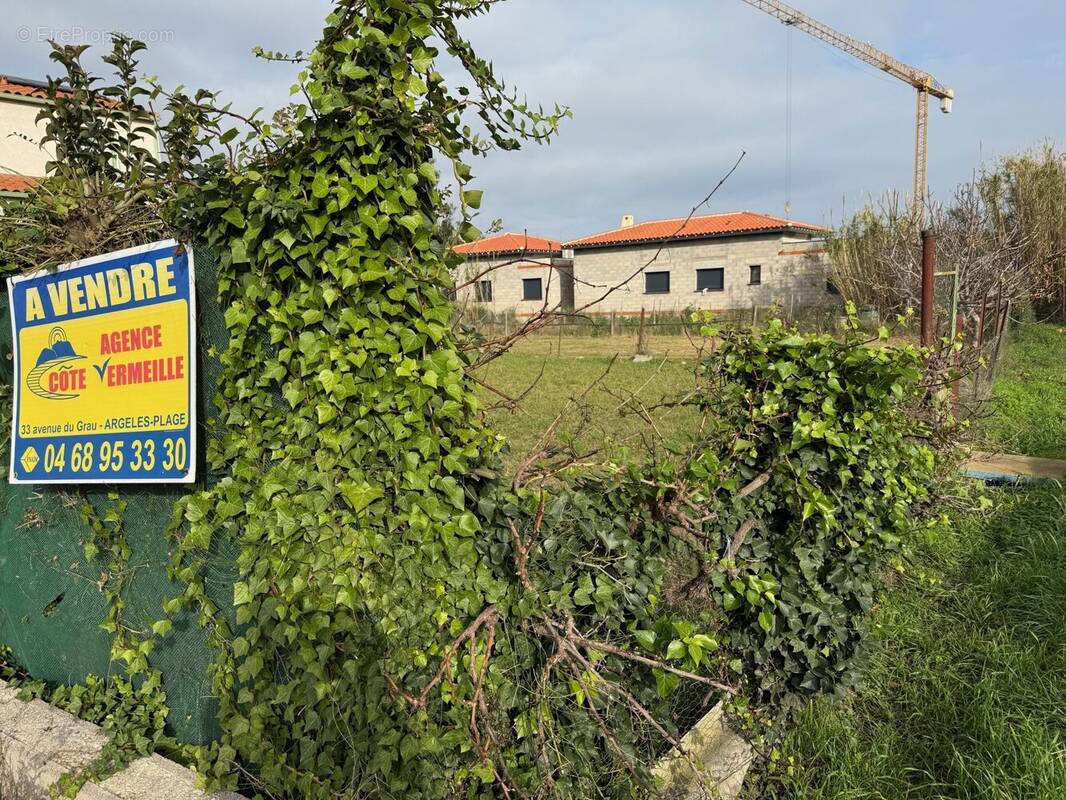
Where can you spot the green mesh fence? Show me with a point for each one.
(51, 602)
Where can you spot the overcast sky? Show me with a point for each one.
(665, 94)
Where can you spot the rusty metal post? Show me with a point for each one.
(928, 315)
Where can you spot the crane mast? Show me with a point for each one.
(923, 82)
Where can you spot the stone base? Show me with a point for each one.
(39, 744)
(718, 760)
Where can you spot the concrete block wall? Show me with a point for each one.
(506, 280)
(793, 274)
(39, 744)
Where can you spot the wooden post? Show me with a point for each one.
(642, 336)
(979, 344)
(928, 312)
(1001, 332)
(958, 362)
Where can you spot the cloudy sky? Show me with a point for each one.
(665, 94)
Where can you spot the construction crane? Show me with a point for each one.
(925, 83)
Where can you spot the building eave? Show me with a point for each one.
(510, 254)
(627, 243)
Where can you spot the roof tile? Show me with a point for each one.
(735, 222)
(510, 243)
(10, 86)
(16, 183)
(24, 88)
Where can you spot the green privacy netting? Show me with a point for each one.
(51, 602)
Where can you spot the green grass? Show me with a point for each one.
(965, 695)
(1029, 400)
(608, 417)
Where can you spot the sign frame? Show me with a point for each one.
(191, 368)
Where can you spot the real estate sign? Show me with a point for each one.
(105, 369)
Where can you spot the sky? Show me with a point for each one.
(665, 95)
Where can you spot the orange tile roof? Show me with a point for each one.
(38, 89)
(729, 224)
(510, 243)
(22, 87)
(16, 183)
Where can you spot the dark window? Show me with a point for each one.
(754, 275)
(710, 280)
(531, 289)
(483, 291)
(656, 283)
(831, 288)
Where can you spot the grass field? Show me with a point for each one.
(1029, 401)
(608, 416)
(965, 695)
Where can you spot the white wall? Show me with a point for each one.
(21, 152)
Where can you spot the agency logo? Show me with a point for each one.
(56, 376)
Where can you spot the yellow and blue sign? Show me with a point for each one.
(105, 369)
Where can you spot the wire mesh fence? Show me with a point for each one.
(493, 325)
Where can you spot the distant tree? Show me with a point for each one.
(1027, 196)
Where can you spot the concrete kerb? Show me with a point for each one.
(721, 758)
(39, 744)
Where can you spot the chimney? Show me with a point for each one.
(627, 221)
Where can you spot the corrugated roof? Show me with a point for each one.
(728, 224)
(16, 183)
(510, 243)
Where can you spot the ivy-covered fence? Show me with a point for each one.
(406, 620)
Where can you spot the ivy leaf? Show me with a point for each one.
(675, 650)
(646, 639)
(359, 496)
(238, 251)
(349, 69)
(234, 217)
(328, 379)
(421, 60)
(316, 224)
(472, 197)
(320, 185)
(665, 682)
(766, 620)
(366, 183)
(162, 627)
